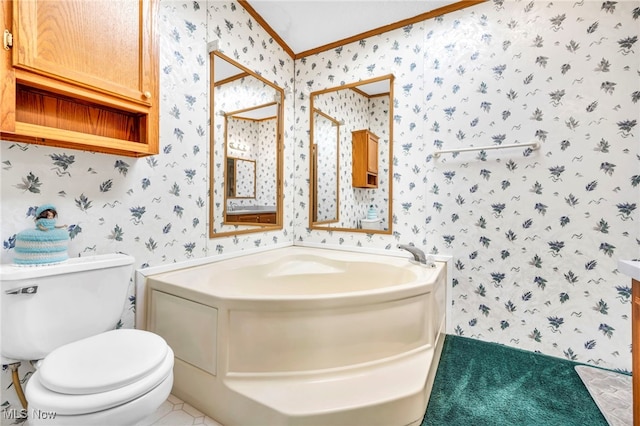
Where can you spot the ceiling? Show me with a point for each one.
(305, 25)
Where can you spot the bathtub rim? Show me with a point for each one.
(194, 283)
(140, 275)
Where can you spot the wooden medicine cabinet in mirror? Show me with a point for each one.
(351, 157)
(245, 182)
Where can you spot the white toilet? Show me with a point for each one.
(88, 374)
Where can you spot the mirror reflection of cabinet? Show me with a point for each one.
(364, 159)
(266, 217)
(366, 105)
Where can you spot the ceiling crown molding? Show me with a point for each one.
(376, 31)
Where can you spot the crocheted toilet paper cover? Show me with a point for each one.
(39, 246)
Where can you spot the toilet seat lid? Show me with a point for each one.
(103, 362)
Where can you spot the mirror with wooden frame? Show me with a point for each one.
(241, 178)
(245, 182)
(351, 157)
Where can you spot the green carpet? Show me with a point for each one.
(480, 383)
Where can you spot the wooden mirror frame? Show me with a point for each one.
(231, 187)
(237, 228)
(312, 110)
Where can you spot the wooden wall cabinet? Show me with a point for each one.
(364, 159)
(81, 74)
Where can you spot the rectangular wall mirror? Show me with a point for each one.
(241, 178)
(351, 157)
(245, 150)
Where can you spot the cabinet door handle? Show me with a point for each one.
(147, 95)
(7, 39)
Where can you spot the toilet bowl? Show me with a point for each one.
(64, 316)
(115, 378)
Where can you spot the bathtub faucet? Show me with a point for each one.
(418, 255)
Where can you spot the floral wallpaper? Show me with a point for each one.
(326, 138)
(257, 180)
(245, 178)
(266, 170)
(242, 137)
(535, 234)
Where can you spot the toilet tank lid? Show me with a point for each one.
(12, 272)
(103, 362)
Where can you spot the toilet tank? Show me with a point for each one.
(44, 307)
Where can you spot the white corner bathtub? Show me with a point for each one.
(303, 336)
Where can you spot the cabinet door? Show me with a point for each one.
(72, 41)
(81, 75)
(364, 161)
(372, 154)
(252, 218)
(268, 218)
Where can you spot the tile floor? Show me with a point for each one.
(175, 412)
(612, 393)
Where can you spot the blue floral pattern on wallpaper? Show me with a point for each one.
(257, 182)
(535, 235)
(326, 138)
